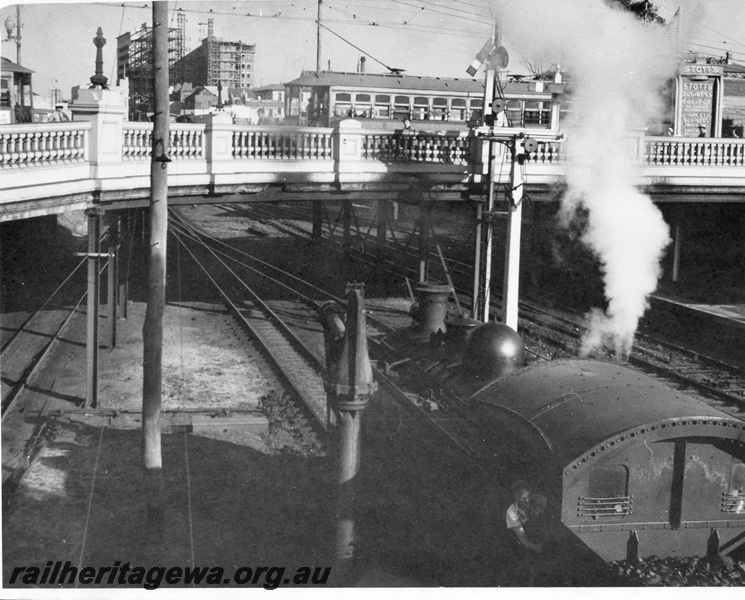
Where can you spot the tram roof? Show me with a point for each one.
(389, 81)
(408, 83)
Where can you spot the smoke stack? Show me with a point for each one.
(363, 60)
(728, 58)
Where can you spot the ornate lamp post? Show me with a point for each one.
(98, 80)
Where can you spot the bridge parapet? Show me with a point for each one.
(104, 158)
(56, 144)
(694, 152)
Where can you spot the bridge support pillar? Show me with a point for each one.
(317, 220)
(122, 294)
(346, 223)
(677, 240)
(94, 288)
(382, 223)
(425, 224)
(112, 273)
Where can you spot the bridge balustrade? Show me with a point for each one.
(694, 152)
(24, 146)
(280, 143)
(186, 141)
(104, 158)
(387, 146)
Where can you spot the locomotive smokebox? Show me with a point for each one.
(493, 350)
(429, 311)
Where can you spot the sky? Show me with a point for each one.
(425, 37)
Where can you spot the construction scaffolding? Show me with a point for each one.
(135, 63)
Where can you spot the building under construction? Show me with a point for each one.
(134, 62)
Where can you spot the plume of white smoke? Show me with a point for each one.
(618, 66)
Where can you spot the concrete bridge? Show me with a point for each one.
(101, 159)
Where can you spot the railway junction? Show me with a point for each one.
(321, 375)
(248, 470)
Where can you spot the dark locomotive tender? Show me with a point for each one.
(631, 467)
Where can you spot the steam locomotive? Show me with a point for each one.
(631, 467)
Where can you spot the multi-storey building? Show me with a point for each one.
(219, 62)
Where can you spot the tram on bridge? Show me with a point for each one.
(384, 100)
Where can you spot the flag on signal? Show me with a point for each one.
(481, 57)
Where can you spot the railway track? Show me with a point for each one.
(411, 388)
(551, 333)
(24, 351)
(294, 363)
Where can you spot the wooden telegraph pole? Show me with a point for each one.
(153, 328)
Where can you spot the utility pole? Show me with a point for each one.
(153, 327)
(318, 39)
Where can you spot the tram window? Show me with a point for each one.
(382, 111)
(458, 109)
(401, 106)
(421, 108)
(362, 98)
(439, 109)
(342, 109)
(476, 103)
(382, 106)
(343, 97)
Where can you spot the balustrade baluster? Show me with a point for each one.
(62, 158)
(14, 153)
(34, 143)
(239, 145)
(77, 145)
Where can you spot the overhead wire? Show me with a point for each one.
(357, 47)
